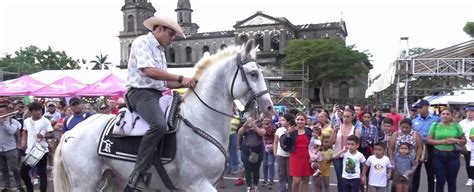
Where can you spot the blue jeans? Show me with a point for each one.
(233, 153)
(338, 167)
(446, 166)
(268, 166)
(351, 185)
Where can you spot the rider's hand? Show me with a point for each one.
(189, 82)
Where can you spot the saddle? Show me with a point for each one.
(123, 133)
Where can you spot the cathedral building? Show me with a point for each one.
(270, 33)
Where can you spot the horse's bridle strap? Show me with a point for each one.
(209, 138)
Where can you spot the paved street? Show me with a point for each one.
(229, 180)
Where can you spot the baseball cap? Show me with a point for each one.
(51, 104)
(422, 103)
(74, 100)
(469, 108)
(103, 105)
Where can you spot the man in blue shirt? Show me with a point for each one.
(422, 123)
(77, 116)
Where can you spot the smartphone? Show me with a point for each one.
(292, 122)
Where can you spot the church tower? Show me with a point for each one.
(183, 12)
(134, 13)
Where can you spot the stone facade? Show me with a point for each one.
(270, 33)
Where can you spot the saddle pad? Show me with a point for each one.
(126, 148)
(121, 148)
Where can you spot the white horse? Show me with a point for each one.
(232, 74)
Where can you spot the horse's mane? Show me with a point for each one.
(206, 62)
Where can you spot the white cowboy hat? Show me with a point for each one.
(164, 21)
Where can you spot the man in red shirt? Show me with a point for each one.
(396, 118)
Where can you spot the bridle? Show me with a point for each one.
(240, 67)
(254, 96)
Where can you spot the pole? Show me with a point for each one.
(302, 82)
(397, 100)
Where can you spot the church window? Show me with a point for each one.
(189, 52)
(180, 17)
(275, 42)
(344, 90)
(130, 23)
(205, 48)
(259, 41)
(172, 55)
(223, 46)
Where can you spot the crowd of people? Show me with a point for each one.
(368, 151)
(25, 128)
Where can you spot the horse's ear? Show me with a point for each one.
(248, 47)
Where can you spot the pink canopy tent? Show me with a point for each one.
(22, 86)
(64, 87)
(111, 85)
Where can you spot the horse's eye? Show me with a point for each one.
(254, 75)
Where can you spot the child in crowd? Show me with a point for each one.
(352, 161)
(404, 168)
(325, 165)
(380, 169)
(315, 149)
(387, 125)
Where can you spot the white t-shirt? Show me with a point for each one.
(351, 165)
(280, 152)
(466, 127)
(34, 127)
(378, 170)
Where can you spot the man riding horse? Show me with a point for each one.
(146, 81)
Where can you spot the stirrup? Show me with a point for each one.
(139, 180)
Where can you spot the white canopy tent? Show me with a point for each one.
(457, 97)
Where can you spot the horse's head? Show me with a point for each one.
(248, 84)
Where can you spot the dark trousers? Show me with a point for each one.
(252, 170)
(41, 169)
(284, 174)
(446, 166)
(429, 172)
(350, 185)
(8, 162)
(146, 103)
(469, 169)
(338, 168)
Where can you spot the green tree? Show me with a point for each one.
(469, 28)
(100, 62)
(32, 59)
(328, 59)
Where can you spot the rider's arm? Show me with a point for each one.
(174, 85)
(158, 74)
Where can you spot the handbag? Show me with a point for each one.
(35, 154)
(461, 148)
(253, 157)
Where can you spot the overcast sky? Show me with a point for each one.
(85, 28)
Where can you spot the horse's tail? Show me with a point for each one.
(61, 180)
